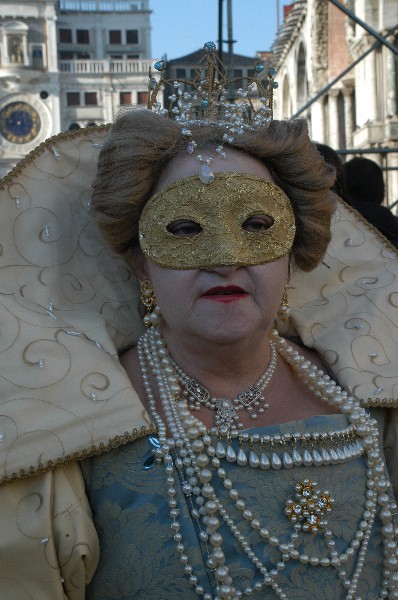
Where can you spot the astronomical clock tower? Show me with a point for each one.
(29, 79)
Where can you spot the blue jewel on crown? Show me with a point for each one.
(159, 65)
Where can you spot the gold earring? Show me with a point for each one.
(148, 299)
(148, 295)
(284, 309)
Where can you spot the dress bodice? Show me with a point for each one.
(127, 490)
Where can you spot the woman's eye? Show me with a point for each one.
(183, 228)
(258, 223)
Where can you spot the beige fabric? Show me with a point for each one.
(48, 544)
(347, 309)
(66, 306)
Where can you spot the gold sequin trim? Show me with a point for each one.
(380, 403)
(65, 135)
(116, 442)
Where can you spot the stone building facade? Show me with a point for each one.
(66, 64)
(316, 42)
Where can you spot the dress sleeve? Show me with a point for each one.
(75, 537)
(48, 545)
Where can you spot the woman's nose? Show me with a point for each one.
(224, 270)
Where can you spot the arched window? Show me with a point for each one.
(15, 44)
(301, 78)
(286, 100)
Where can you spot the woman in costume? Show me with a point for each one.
(248, 425)
(249, 471)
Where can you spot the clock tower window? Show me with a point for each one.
(15, 47)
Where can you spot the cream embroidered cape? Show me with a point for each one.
(67, 307)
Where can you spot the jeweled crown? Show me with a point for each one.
(206, 100)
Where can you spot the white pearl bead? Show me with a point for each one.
(304, 558)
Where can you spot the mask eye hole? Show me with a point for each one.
(184, 228)
(257, 223)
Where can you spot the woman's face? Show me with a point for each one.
(223, 304)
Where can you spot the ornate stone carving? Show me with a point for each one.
(319, 40)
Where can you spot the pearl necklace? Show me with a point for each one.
(197, 463)
(250, 399)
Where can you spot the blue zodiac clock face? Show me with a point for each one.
(19, 122)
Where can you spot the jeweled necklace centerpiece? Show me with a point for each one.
(227, 418)
(195, 459)
(204, 101)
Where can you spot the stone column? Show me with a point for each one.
(56, 112)
(108, 111)
(348, 91)
(365, 84)
(100, 43)
(333, 140)
(52, 57)
(371, 85)
(391, 74)
(317, 121)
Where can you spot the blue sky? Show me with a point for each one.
(182, 26)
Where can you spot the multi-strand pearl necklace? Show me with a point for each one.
(189, 450)
(251, 399)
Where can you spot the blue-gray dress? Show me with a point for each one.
(138, 555)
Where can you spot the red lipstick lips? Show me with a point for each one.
(225, 293)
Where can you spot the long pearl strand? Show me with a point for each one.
(195, 455)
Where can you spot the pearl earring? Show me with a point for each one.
(148, 299)
(284, 309)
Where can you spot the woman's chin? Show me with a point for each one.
(220, 323)
(229, 331)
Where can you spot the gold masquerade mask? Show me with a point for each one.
(220, 211)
